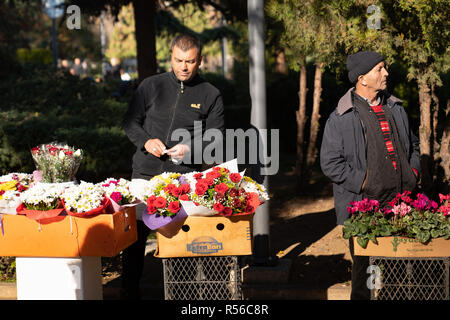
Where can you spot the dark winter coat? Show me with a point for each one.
(343, 154)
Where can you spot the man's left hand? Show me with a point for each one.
(178, 151)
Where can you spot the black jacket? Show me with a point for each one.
(162, 104)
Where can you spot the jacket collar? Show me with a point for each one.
(346, 102)
(191, 82)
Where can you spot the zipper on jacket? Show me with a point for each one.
(174, 109)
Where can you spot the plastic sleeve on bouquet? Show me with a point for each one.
(115, 207)
(155, 221)
(37, 214)
(91, 213)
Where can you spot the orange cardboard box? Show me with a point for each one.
(104, 235)
(206, 236)
(404, 247)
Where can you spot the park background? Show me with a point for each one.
(307, 43)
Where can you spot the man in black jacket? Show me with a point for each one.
(368, 148)
(162, 104)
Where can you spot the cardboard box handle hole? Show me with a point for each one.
(185, 228)
(220, 226)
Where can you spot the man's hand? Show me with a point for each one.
(178, 151)
(155, 147)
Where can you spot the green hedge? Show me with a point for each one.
(40, 105)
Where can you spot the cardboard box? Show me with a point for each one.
(404, 247)
(105, 235)
(207, 236)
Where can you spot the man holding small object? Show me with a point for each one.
(162, 104)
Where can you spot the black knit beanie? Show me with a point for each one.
(362, 62)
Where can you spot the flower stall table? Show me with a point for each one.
(60, 258)
(405, 269)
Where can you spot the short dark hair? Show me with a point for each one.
(187, 41)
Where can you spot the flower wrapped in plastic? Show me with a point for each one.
(118, 191)
(162, 196)
(11, 186)
(224, 191)
(57, 162)
(85, 200)
(43, 201)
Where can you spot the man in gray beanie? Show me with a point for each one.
(368, 148)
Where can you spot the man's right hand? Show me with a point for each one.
(155, 147)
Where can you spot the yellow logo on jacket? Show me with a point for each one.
(195, 105)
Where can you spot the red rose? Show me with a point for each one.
(237, 203)
(213, 175)
(200, 188)
(208, 181)
(218, 207)
(151, 209)
(235, 177)
(169, 188)
(176, 192)
(185, 188)
(2, 192)
(234, 192)
(35, 150)
(174, 207)
(227, 211)
(68, 153)
(160, 202)
(184, 197)
(198, 175)
(221, 188)
(150, 200)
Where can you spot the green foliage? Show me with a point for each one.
(37, 56)
(7, 269)
(41, 106)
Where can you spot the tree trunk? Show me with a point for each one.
(301, 120)
(434, 136)
(444, 151)
(311, 154)
(425, 132)
(144, 17)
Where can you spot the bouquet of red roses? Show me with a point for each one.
(223, 190)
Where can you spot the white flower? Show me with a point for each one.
(77, 153)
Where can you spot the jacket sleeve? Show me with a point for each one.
(414, 159)
(333, 162)
(134, 118)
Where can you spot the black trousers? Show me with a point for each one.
(133, 257)
(360, 290)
